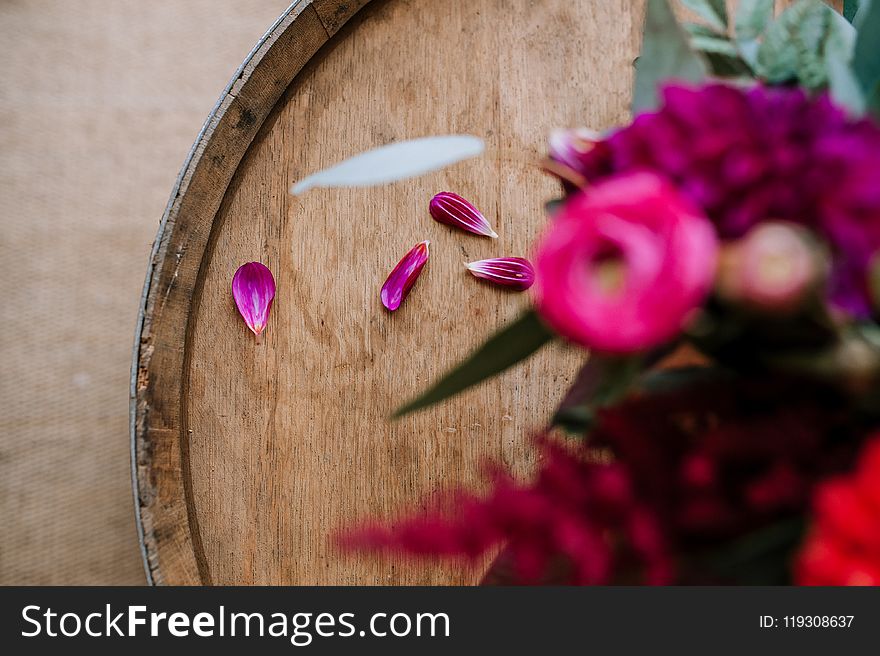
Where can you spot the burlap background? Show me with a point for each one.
(99, 102)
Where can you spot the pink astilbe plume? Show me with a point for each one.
(577, 523)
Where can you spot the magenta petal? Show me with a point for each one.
(513, 272)
(253, 289)
(455, 211)
(404, 275)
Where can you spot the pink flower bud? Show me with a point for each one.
(404, 275)
(624, 264)
(513, 272)
(253, 289)
(454, 210)
(775, 267)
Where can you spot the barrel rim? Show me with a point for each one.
(331, 15)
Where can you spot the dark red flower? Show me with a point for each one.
(578, 522)
(716, 459)
(843, 547)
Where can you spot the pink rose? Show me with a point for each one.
(624, 264)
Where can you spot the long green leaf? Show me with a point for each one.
(713, 12)
(600, 382)
(512, 344)
(666, 55)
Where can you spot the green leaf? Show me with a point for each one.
(796, 46)
(714, 44)
(666, 55)
(842, 82)
(866, 55)
(698, 29)
(713, 11)
(752, 17)
(512, 344)
(600, 382)
(844, 87)
(723, 56)
(734, 68)
(873, 102)
(850, 7)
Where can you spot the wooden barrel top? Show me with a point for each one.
(249, 457)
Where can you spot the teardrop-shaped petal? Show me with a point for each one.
(404, 275)
(513, 272)
(253, 289)
(454, 210)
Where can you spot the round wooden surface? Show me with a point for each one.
(250, 457)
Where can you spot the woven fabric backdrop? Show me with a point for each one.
(99, 104)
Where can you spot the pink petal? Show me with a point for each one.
(253, 289)
(404, 275)
(455, 211)
(513, 272)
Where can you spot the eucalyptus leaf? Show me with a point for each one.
(666, 55)
(797, 44)
(714, 44)
(850, 7)
(844, 87)
(842, 82)
(699, 29)
(734, 69)
(873, 102)
(512, 344)
(723, 56)
(396, 161)
(866, 56)
(752, 18)
(713, 12)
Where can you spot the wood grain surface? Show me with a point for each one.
(290, 439)
(251, 457)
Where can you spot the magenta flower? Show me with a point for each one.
(404, 275)
(455, 211)
(253, 289)
(513, 272)
(624, 264)
(767, 153)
